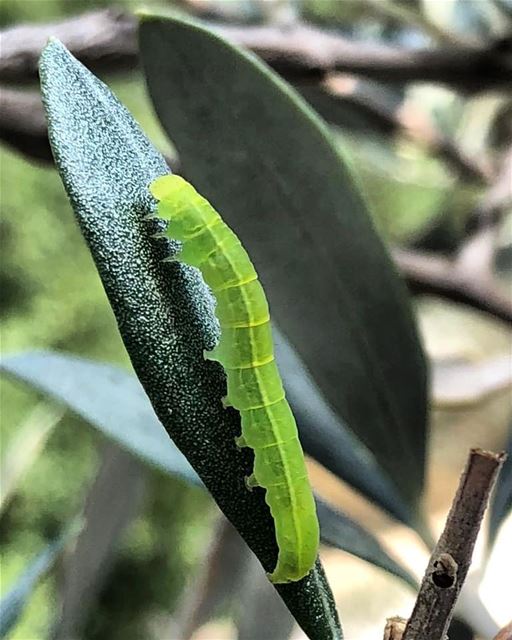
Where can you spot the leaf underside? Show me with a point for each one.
(163, 310)
(113, 401)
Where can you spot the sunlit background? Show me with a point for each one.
(153, 563)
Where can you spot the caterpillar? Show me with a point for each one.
(246, 352)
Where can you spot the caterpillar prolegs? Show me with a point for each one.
(246, 352)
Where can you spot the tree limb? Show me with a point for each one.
(103, 40)
(394, 629)
(408, 120)
(505, 633)
(23, 125)
(451, 558)
(429, 273)
(106, 41)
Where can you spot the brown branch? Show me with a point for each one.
(394, 629)
(106, 41)
(468, 278)
(23, 125)
(408, 120)
(451, 558)
(103, 40)
(429, 273)
(505, 633)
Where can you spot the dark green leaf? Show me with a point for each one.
(15, 600)
(340, 531)
(266, 161)
(113, 401)
(326, 438)
(107, 397)
(163, 310)
(502, 501)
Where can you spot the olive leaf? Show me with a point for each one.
(113, 401)
(163, 310)
(264, 159)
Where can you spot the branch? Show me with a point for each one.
(428, 273)
(505, 633)
(22, 122)
(468, 278)
(23, 125)
(106, 41)
(451, 558)
(407, 120)
(394, 629)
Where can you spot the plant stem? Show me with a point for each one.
(451, 558)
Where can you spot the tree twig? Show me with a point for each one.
(23, 125)
(394, 629)
(451, 558)
(408, 120)
(103, 40)
(106, 41)
(505, 633)
(429, 273)
(467, 278)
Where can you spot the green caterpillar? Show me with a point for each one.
(246, 352)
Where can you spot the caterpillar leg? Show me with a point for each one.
(225, 402)
(251, 482)
(241, 442)
(209, 355)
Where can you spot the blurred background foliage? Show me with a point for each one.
(52, 298)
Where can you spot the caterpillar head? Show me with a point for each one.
(181, 205)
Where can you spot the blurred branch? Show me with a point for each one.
(23, 125)
(451, 558)
(112, 502)
(407, 120)
(467, 278)
(505, 633)
(105, 41)
(215, 586)
(429, 273)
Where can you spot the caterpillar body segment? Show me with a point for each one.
(246, 352)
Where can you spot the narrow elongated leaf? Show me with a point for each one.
(113, 501)
(502, 501)
(259, 612)
(327, 439)
(164, 310)
(254, 148)
(113, 401)
(106, 396)
(15, 600)
(24, 447)
(340, 531)
(220, 579)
